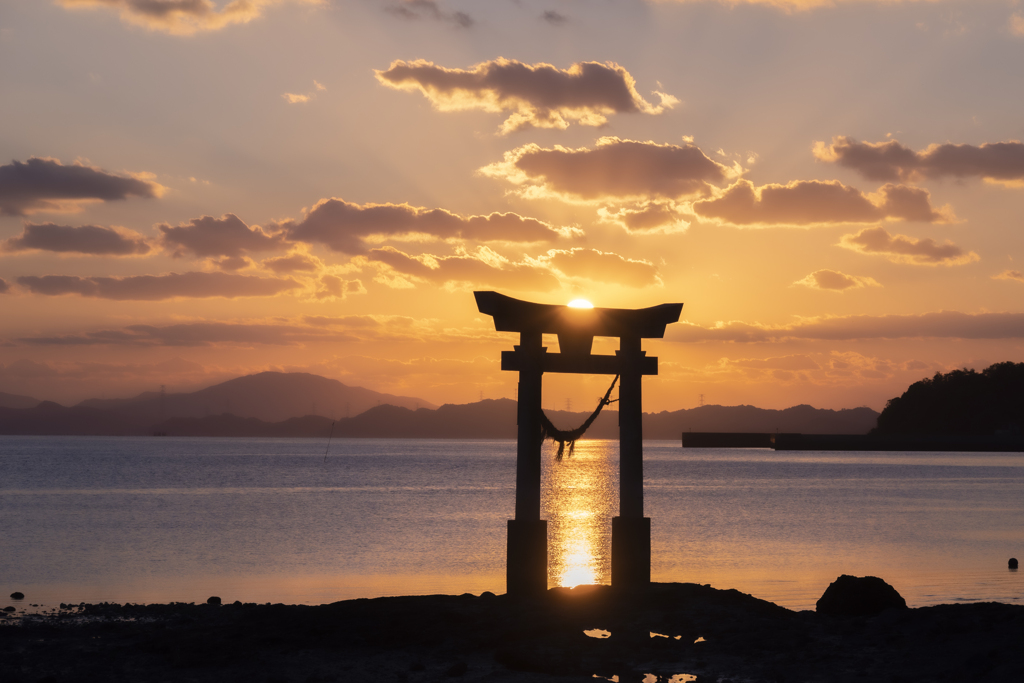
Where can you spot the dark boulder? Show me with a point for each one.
(17, 595)
(1012, 564)
(859, 596)
(213, 600)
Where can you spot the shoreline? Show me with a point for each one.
(715, 635)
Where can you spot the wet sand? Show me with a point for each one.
(496, 638)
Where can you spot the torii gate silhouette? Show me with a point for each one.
(526, 568)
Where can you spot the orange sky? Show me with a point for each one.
(194, 191)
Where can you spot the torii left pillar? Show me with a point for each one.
(527, 567)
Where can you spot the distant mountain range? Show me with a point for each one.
(267, 396)
(283, 404)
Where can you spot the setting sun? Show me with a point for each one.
(580, 303)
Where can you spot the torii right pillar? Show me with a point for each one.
(631, 531)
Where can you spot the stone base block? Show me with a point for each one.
(631, 552)
(527, 566)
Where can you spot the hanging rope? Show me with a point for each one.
(329, 442)
(550, 431)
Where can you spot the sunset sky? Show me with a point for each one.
(192, 190)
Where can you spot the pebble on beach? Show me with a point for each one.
(18, 595)
(1013, 563)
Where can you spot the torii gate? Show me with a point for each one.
(527, 564)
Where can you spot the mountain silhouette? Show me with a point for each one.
(16, 401)
(300, 404)
(267, 396)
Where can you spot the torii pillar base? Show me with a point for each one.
(631, 552)
(526, 571)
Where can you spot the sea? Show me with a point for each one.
(307, 521)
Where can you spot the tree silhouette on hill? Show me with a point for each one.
(959, 402)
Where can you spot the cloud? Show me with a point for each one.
(903, 249)
(614, 169)
(333, 287)
(835, 281)
(248, 333)
(538, 95)
(789, 363)
(1017, 24)
(4, 287)
(209, 237)
(817, 202)
(936, 325)
(649, 218)
(183, 17)
(798, 5)
(348, 227)
(554, 18)
(293, 263)
(46, 185)
(190, 334)
(485, 268)
(428, 9)
(87, 239)
(602, 266)
(1014, 275)
(888, 161)
(192, 285)
(296, 98)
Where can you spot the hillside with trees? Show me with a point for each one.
(960, 402)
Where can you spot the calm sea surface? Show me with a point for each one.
(272, 520)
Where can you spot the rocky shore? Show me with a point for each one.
(671, 632)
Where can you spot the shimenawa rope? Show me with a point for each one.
(550, 431)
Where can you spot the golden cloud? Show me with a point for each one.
(799, 5)
(835, 281)
(485, 268)
(648, 218)
(887, 161)
(602, 266)
(1014, 275)
(348, 227)
(331, 287)
(817, 202)
(936, 325)
(903, 249)
(42, 185)
(183, 17)
(293, 263)
(538, 95)
(614, 170)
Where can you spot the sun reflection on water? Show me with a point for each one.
(579, 501)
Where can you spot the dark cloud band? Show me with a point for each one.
(194, 285)
(538, 95)
(93, 240)
(49, 186)
(890, 160)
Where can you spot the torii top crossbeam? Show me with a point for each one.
(514, 315)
